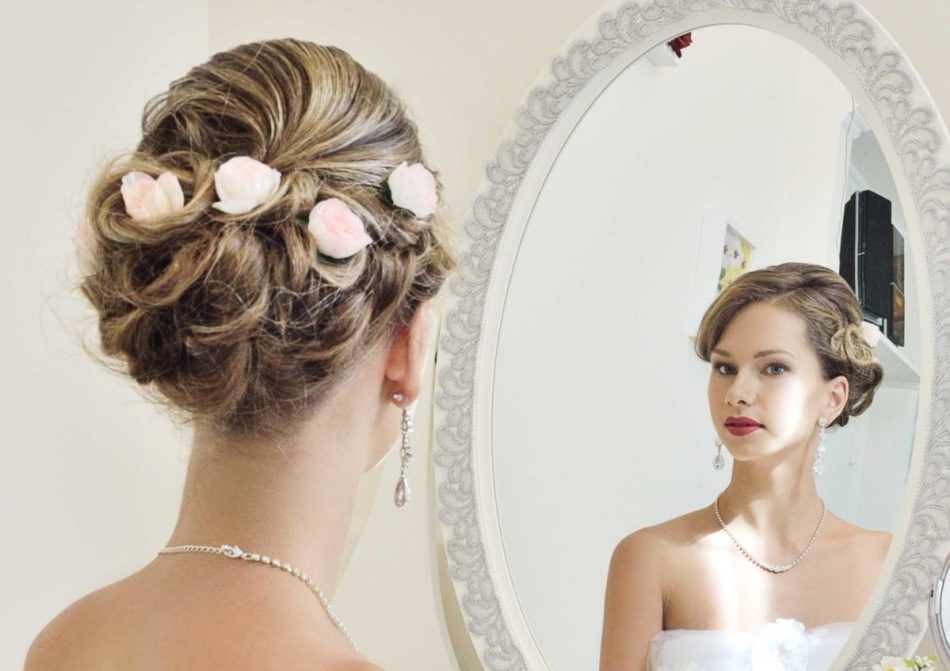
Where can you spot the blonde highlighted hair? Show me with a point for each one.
(832, 316)
(235, 319)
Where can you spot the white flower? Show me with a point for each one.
(871, 334)
(243, 183)
(148, 198)
(338, 231)
(781, 646)
(413, 188)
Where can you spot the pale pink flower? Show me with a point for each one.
(242, 183)
(871, 334)
(338, 231)
(148, 198)
(413, 188)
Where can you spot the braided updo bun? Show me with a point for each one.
(832, 316)
(235, 318)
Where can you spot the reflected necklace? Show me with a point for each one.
(772, 568)
(234, 552)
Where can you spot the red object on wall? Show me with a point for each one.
(680, 43)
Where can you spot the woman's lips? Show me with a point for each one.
(741, 429)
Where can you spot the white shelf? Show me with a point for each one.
(898, 369)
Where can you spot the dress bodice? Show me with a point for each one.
(783, 645)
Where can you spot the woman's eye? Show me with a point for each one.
(722, 368)
(775, 369)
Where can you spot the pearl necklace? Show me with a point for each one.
(234, 552)
(772, 568)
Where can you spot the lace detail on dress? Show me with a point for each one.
(783, 645)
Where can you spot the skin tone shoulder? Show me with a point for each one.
(200, 611)
(686, 573)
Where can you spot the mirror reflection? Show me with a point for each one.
(686, 177)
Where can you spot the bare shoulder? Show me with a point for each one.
(657, 545)
(68, 639)
(635, 595)
(862, 550)
(863, 540)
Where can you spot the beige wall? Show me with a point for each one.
(92, 475)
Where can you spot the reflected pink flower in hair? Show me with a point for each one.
(148, 198)
(871, 334)
(338, 231)
(413, 188)
(242, 183)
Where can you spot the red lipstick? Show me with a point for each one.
(742, 426)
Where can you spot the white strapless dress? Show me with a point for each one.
(783, 645)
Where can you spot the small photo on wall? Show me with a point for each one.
(736, 257)
(724, 253)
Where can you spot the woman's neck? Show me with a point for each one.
(290, 501)
(779, 507)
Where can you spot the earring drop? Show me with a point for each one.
(718, 462)
(403, 491)
(818, 467)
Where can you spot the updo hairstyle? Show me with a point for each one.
(832, 316)
(235, 319)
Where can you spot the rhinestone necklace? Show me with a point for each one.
(772, 568)
(234, 552)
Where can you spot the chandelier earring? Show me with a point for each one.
(718, 462)
(818, 467)
(403, 491)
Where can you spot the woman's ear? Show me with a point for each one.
(406, 360)
(838, 390)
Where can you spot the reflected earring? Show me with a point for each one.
(403, 492)
(718, 462)
(818, 467)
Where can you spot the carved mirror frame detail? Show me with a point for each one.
(842, 32)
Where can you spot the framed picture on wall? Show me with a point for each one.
(725, 253)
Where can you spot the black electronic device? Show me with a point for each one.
(871, 259)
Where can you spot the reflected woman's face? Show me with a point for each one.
(764, 370)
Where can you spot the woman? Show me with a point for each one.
(263, 262)
(764, 577)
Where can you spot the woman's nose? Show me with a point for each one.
(741, 391)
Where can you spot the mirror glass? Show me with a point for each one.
(748, 147)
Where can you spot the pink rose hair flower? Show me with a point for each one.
(413, 188)
(148, 198)
(242, 183)
(338, 231)
(871, 334)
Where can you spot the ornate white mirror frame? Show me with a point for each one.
(900, 112)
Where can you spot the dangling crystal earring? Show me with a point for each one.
(818, 467)
(718, 462)
(403, 492)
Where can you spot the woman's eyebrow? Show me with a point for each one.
(764, 352)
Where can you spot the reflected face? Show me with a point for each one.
(766, 390)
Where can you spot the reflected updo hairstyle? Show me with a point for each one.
(235, 318)
(832, 316)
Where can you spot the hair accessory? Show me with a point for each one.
(871, 334)
(412, 187)
(718, 462)
(148, 198)
(338, 231)
(817, 468)
(242, 183)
